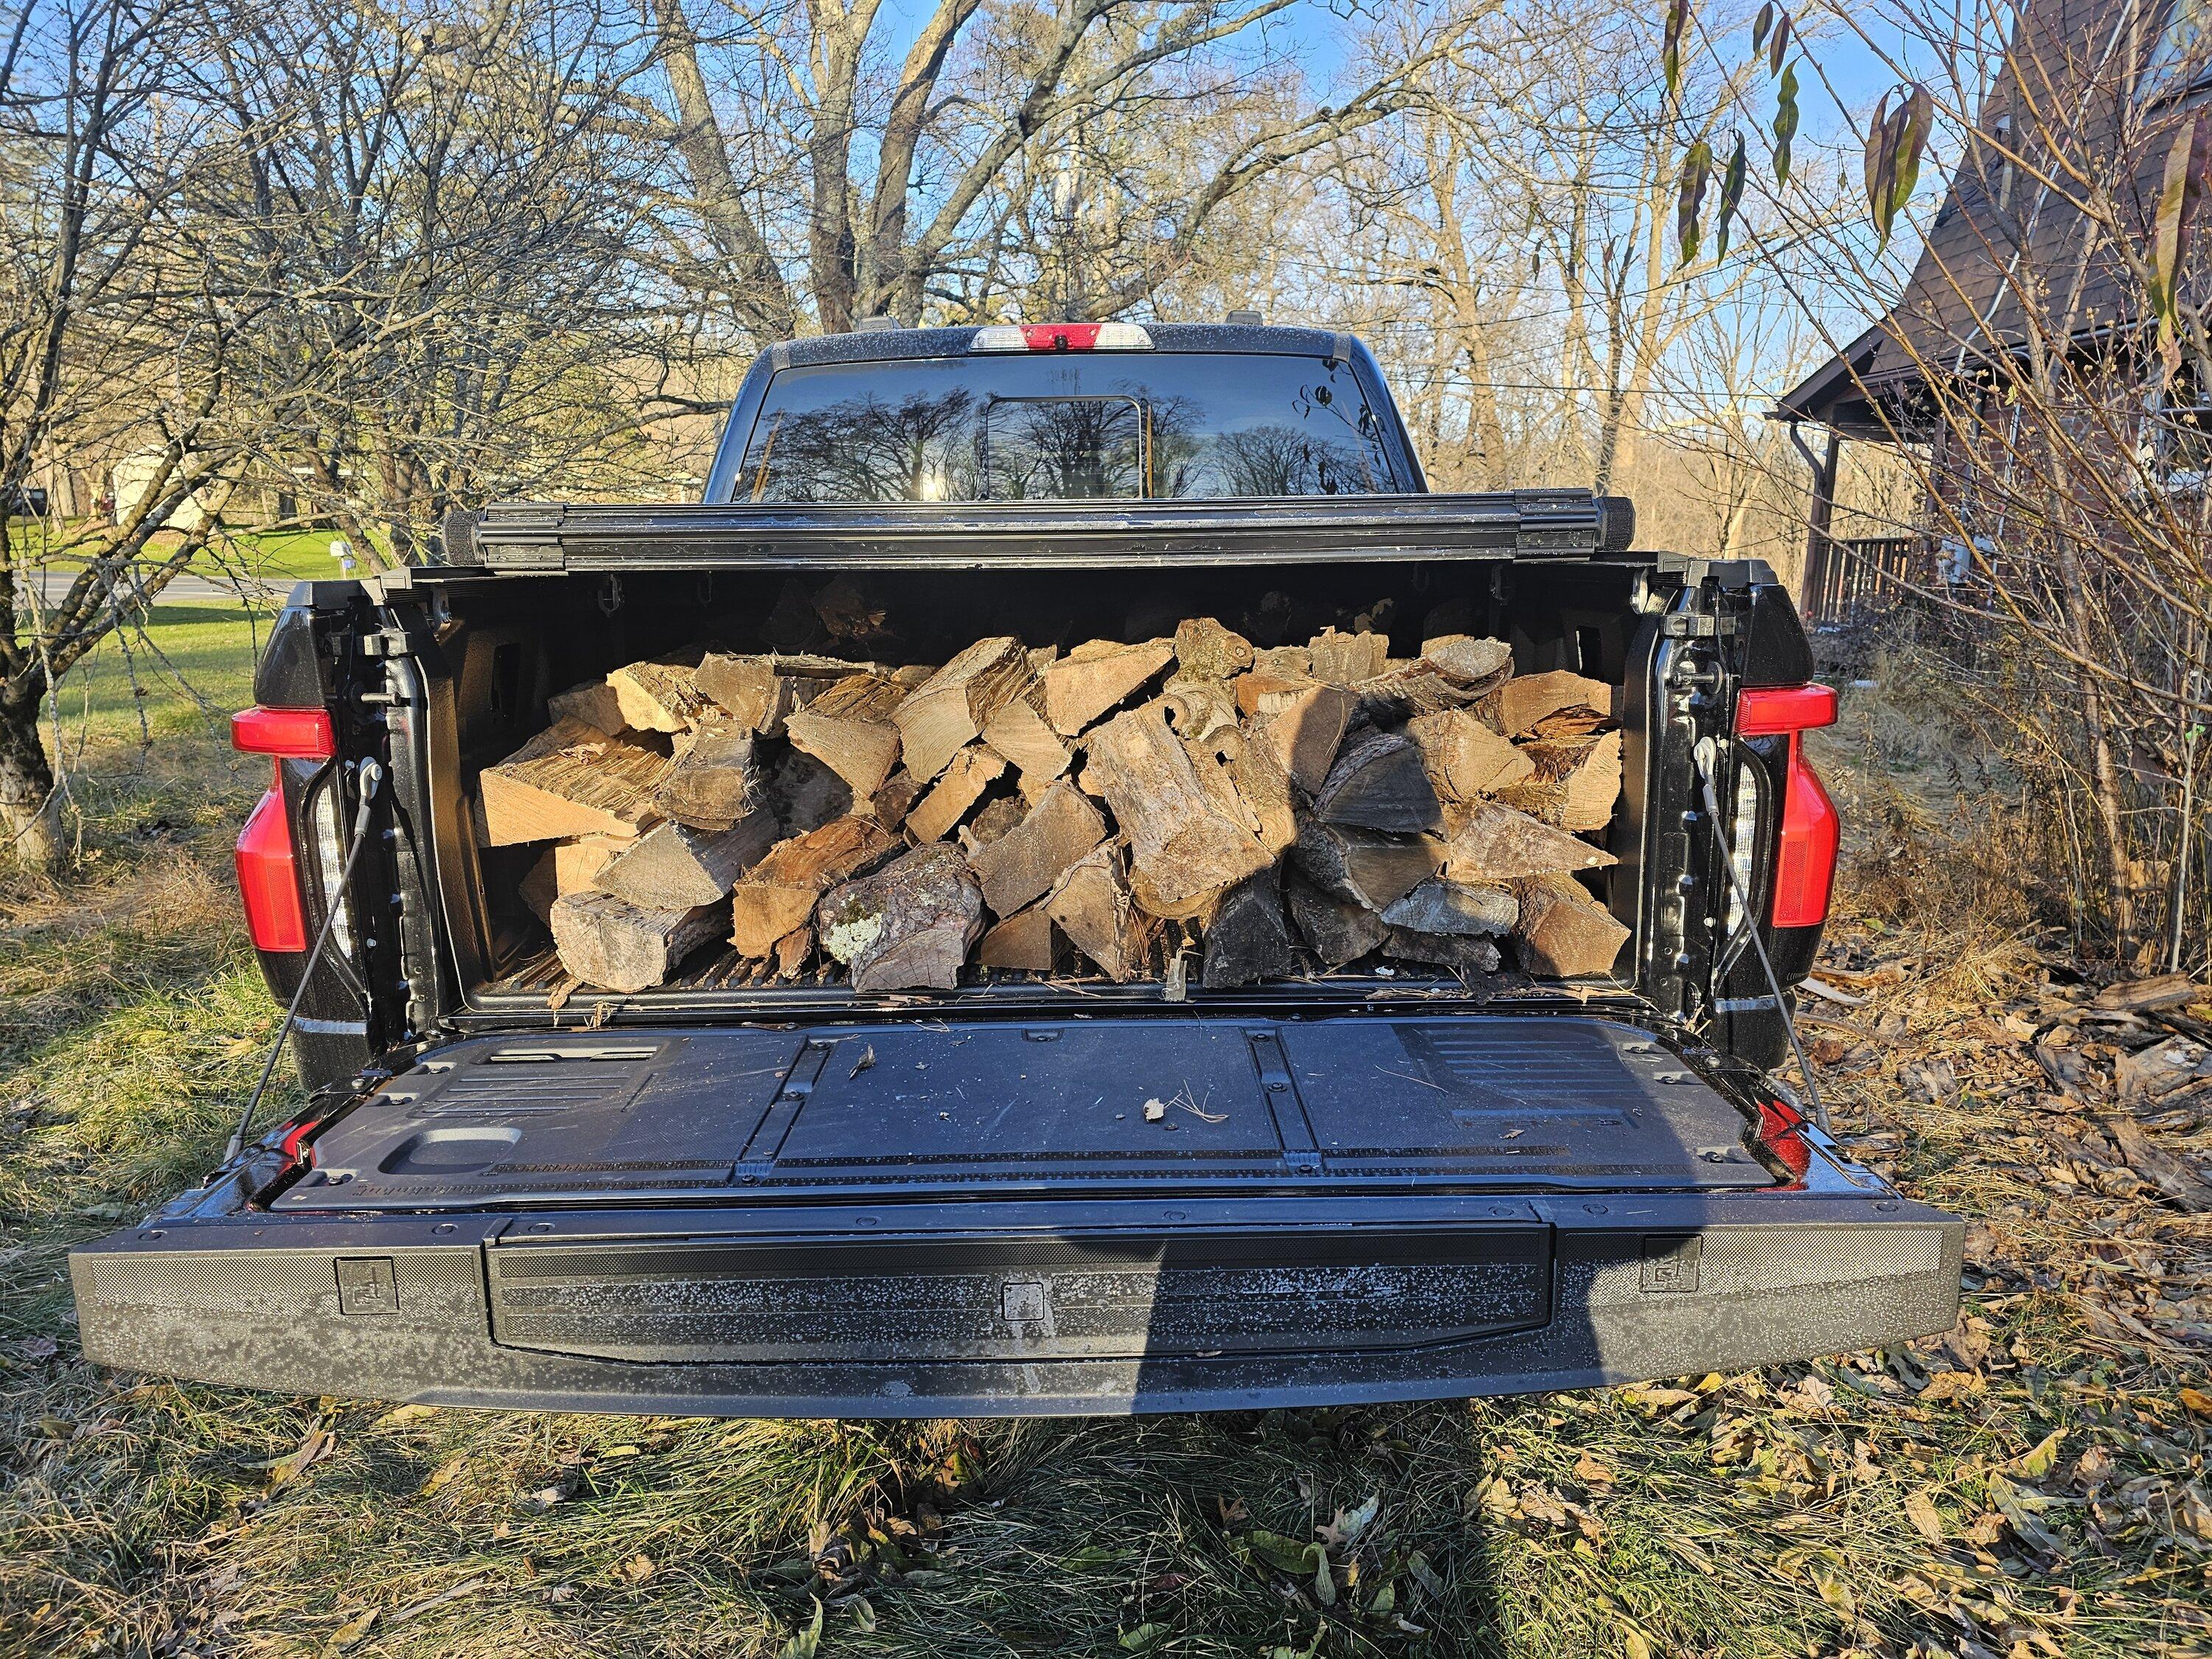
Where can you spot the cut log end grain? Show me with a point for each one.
(1363, 866)
(607, 942)
(1204, 650)
(1187, 843)
(1200, 710)
(1519, 704)
(1562, 933)
(1305, 729)
(1024, 864)
(1016, 731)
(1380, 782)
(1249, 938)
(660, 696)
(1026, 942)
(1465, 759)
(1467, 661)
(948, 710)
(760, 692)
(713, 781)
(908, 926)
(1499, 844)
(673, 866)
(568, 866)
(848, 728)
(1442, 906)
(570, 779)
(779, 893)
(1338, 930)
(1347, 658)
(1573, 783)
(1094, 678)
(1092, 905)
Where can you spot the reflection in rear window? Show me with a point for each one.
(1064, 426)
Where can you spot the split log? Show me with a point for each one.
(935, 815)
(1184, 848)
(848, 728)
(1339, 930)
(673, 866)
(1092, 904)
(1406, 690)
(1200, 709)
(713, 781)
(760, 692)
(661, 696)
(608, 942)
(1284, 661)
(1562, 933)
(568, 866)
(891, 802)
(1467, 661)
(1440, 905)
(947, 711)
(1466, 760)
(779, 892)
(1024, 942)
(594, 703)
(1024, 864)
(1574, 783)
(849, 611)
(791, 951)
(1363, 867)
(1265, 787)
(1499, 844)
(1248, 938)
(1207, 651)
(1305, 729)
(1520, 702)
(1347, 658)
(1460, 952)
(1098, 676)
(1267, 692)
(1380, 782)
(906, 926)
(1018, 732)
(570, 779)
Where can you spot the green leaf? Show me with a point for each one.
(1284, 1554)
(1786, 122)
(1732, 182)
(1880, 167)
(1385, 1602)
(1324, 1579)
(864, 1615)
(808, 1641)
(1145, 1635)
(1778, 47)
(1696, 173)
(1670, 49)
(1760, 25)
(1095, 1555)
(2166, 226)
(2034, 1464)
(1918, 111)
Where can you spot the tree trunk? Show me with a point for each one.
(27, 793)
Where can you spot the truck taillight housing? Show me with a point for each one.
(1061, 337)
(267, 869)
(269, 879)
(1805, 855)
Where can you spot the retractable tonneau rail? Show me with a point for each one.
(539, 537)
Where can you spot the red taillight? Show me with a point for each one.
(1805, 860)
(1061, 337)
(269, 879)
(288, 733)
(1778, 1125)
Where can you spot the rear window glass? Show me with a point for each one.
(1069, 425)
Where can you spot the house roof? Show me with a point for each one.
(2009, 251)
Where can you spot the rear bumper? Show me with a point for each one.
(926, 1311)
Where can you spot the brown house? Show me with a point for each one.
(2039, 245)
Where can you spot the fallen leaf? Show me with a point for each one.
(639, 1568)
(1920, 1509)
(2197, 1402)
(1345, 1528)
(805, 1644)
(400, 1416)
(1144, 1637)
(2038, 1460)
(442, 1476)
(350, 1633)
(866, 1060)
(1155, 1109)
(1591, 1472)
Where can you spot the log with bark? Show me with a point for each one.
(1562, 932)
(1249, 938)
(1204, 650)
(1441, 905)
(673, 866)
(1380, 782)
(1092, 904)
(1363, 866)
(609, 942)
(1499, 844)
(778, 893)
(1024, 864)
(908, 926)
(713, 780)
(1573, 783)
(1339, 930)
(1185, 850)
(1465, 759)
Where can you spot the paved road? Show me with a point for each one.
(54, 584)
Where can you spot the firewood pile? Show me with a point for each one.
(1192, 806)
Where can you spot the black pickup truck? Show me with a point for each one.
(718, 1197)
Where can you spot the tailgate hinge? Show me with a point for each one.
(1300, 1154)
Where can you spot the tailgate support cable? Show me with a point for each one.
(1751, 927)
(367, 777)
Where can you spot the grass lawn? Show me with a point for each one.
(2031, 1484)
